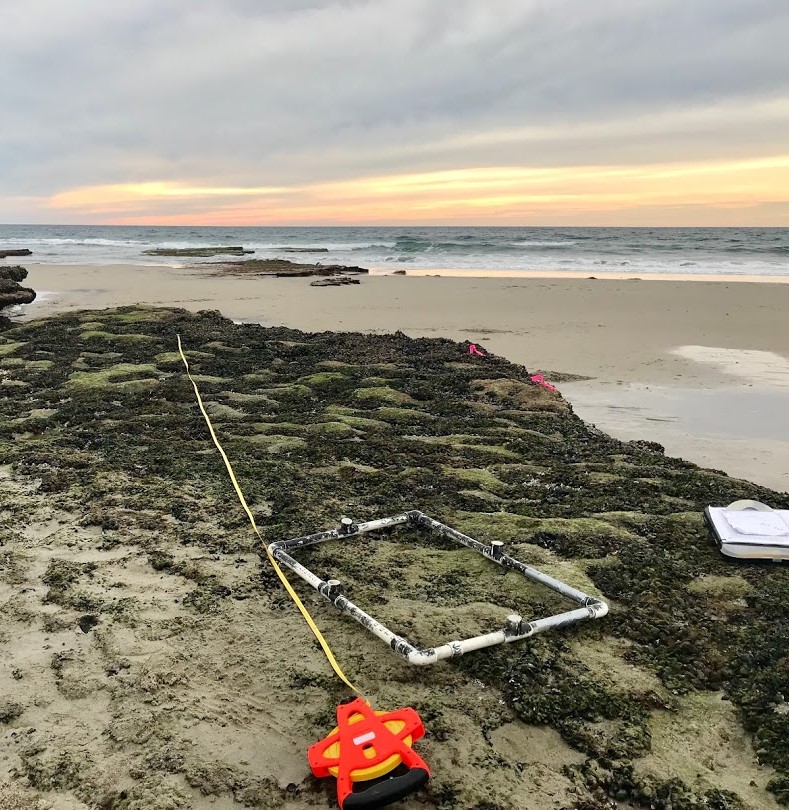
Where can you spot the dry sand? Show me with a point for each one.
(612, 330)
(653, 348)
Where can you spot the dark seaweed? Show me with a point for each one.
(329, 424)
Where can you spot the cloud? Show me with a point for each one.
(485, 195)
(294, 93)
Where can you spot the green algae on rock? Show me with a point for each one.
(116, 508)
(282, 267)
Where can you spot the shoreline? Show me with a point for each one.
(670, 338)
(460, 272)
(481, 272)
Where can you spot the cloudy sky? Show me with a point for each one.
(395, 111)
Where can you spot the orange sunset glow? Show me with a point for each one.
(585, 194)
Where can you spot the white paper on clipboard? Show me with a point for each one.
(761, 524)
(751, 527)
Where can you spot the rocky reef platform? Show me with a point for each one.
(150, 658)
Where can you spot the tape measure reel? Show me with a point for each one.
(368, 746)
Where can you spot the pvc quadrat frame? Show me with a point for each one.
(515, 629)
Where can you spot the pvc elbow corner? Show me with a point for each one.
(420, 658)
(600, 608)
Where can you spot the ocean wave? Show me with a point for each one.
(453, 247)
(332, 247)
(778, 250)
(543, 243)
(87, 242)
(598, 250)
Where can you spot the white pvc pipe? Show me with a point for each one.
(516, 630)
(456, 648)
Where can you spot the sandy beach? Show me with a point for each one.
(700, 366)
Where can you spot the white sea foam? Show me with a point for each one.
(542, 243)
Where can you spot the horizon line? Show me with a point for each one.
(372, 227)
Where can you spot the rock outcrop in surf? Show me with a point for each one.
(6, 252)
(284, 268)
(12, 292)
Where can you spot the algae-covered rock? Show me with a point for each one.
(522, 394)
(116, 374)
(283, 267)
(9, 347)
(382, 393)
(222, 412)
(97, 334)
(139, 608)
(334, 281)
(407, 416)
(324, 378)
(11, 292)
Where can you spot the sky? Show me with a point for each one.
(320, 112)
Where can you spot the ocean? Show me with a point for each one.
(593, 251)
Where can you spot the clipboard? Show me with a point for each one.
(753, 532)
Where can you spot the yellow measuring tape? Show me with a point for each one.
(293, 595)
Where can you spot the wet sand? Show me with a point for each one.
(742, 430)
(652, 348)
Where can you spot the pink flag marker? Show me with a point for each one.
(540, 380)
